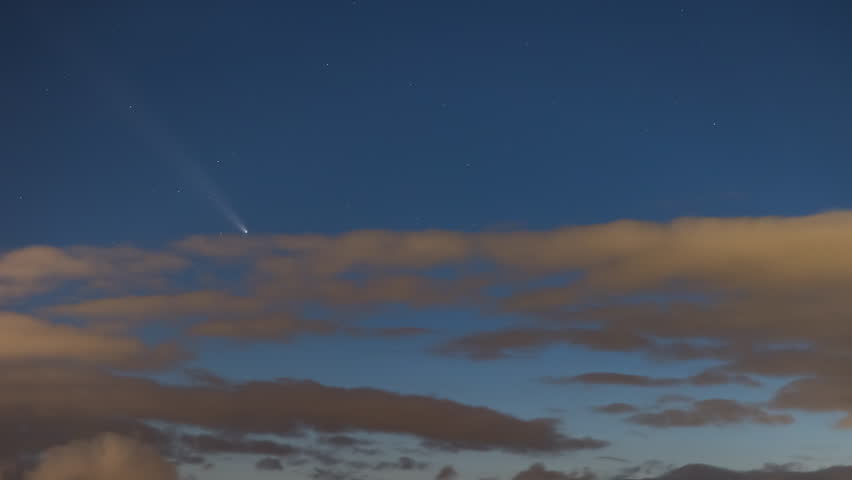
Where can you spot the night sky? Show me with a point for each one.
(450, 240)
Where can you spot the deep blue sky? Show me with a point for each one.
(330, 116)
(120, 121)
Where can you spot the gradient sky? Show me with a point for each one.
(630, 217)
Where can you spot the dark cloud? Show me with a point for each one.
(818, 394)
(505, 343)
(706, 378)
(648, 467)
(402, 463)
(783, 467)
(612, 459)
(269, 463)
(674, 398)
(325, 458)
(389, 332)
(234, 444)
(343, 441)
(203, 376)
(538, 471)
(601, 378)
(277, 407)
(715, 411)
(447, 472)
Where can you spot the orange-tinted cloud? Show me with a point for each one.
(26, 338)
(760, 296)
(159, 306)
(32, 270)
(105, 457)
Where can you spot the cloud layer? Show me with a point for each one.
(757, 299)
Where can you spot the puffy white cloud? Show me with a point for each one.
(106, 457)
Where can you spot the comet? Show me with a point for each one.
(205, 185)
(172, 150)
(166, 145)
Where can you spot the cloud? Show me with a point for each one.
(505, 343)
(538, 471)
(330, 255)
(717, 411)
(757, 296)
(27, 338)
(447, 472)
(269, 464)
(234, 444)
(613, 459)
(706, 378)
(149, 307)
(606, 378)
(27, 433)
(673, 398)
(277, 407)
(38, 269)
(105, 457)
(343, 441)
(203, 376)
(818, 394)
(34, 269)
(739, 253)
(388, 332)
(402, 463)
(648, 467)
(357, 445)
(746, 283)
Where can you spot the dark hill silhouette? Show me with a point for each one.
(707, 472)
